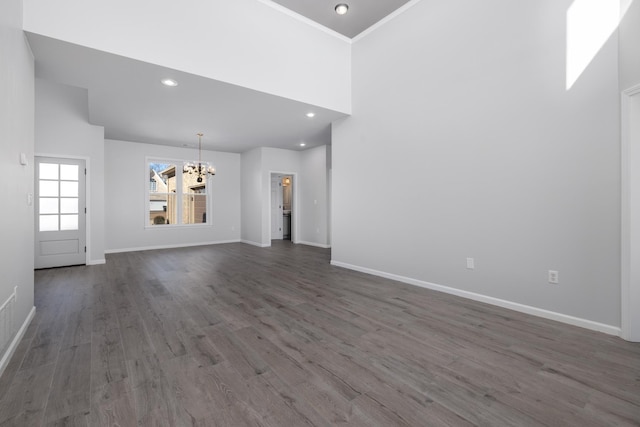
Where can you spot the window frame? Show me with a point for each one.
(179, 164)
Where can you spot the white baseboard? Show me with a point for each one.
(97, 261)
(260, 245)
(317, 245)
(16, 340)
(185, 245)
(551, 315)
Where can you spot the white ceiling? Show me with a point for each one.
(362, 13)
(127, 98)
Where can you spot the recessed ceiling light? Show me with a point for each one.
(342, 8)
(169, 82)
(302, 144)
(311, 114)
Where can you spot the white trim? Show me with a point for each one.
(260, 245)
(179, 185)
(182, 245)
(295, 208)
(97, 261)
(275, 181)
(386, 19)
(170, 226)
(306, 20)
(16, 340)
(317, 245)
(87, 197)
(628, 282)
(575, 321)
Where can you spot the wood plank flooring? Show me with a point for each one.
(234, 335)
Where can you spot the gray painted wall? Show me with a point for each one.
(16, 137)
(278, 160)
(116, 184)
(310, 193)
(125, 186)
(464, 142)
(314, 196)
(630, 47)
(63, 130)
(251, 185)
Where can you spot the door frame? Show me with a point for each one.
(630, 214)
(87, 200)
(294, 205)
(276, 181)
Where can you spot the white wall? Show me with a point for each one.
(243, 42)
(63, 130)
(629, 81)
(314, 198)
(279, 160)
(125, 198)
(464, 143)
(310, 194)
(16, 137)
(630, 46)
(252, 197)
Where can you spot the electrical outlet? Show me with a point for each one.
(553, 277)
(471, 263)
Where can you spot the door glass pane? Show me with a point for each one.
(69, 172)
(48, 171)
(48, 205)
(68, 189)
(68, 222)
(48, 222)
(48, 188)
(68, 206)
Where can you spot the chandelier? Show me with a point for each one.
(200, 169)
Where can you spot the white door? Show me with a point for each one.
(60, 234)
(276, 207)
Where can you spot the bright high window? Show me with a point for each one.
(590, 23)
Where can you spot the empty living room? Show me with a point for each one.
(288, 213)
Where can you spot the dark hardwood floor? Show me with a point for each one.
(235, 335)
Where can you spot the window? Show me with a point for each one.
(175, 198)
(58, 192)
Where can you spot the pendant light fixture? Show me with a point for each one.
(201, 169)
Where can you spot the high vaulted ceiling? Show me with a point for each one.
(361, 15)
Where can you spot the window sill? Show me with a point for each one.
(169, 226)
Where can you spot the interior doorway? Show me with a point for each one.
(282, 206)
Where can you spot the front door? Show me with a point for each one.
(60, 233)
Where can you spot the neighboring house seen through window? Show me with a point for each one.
(175, 197)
